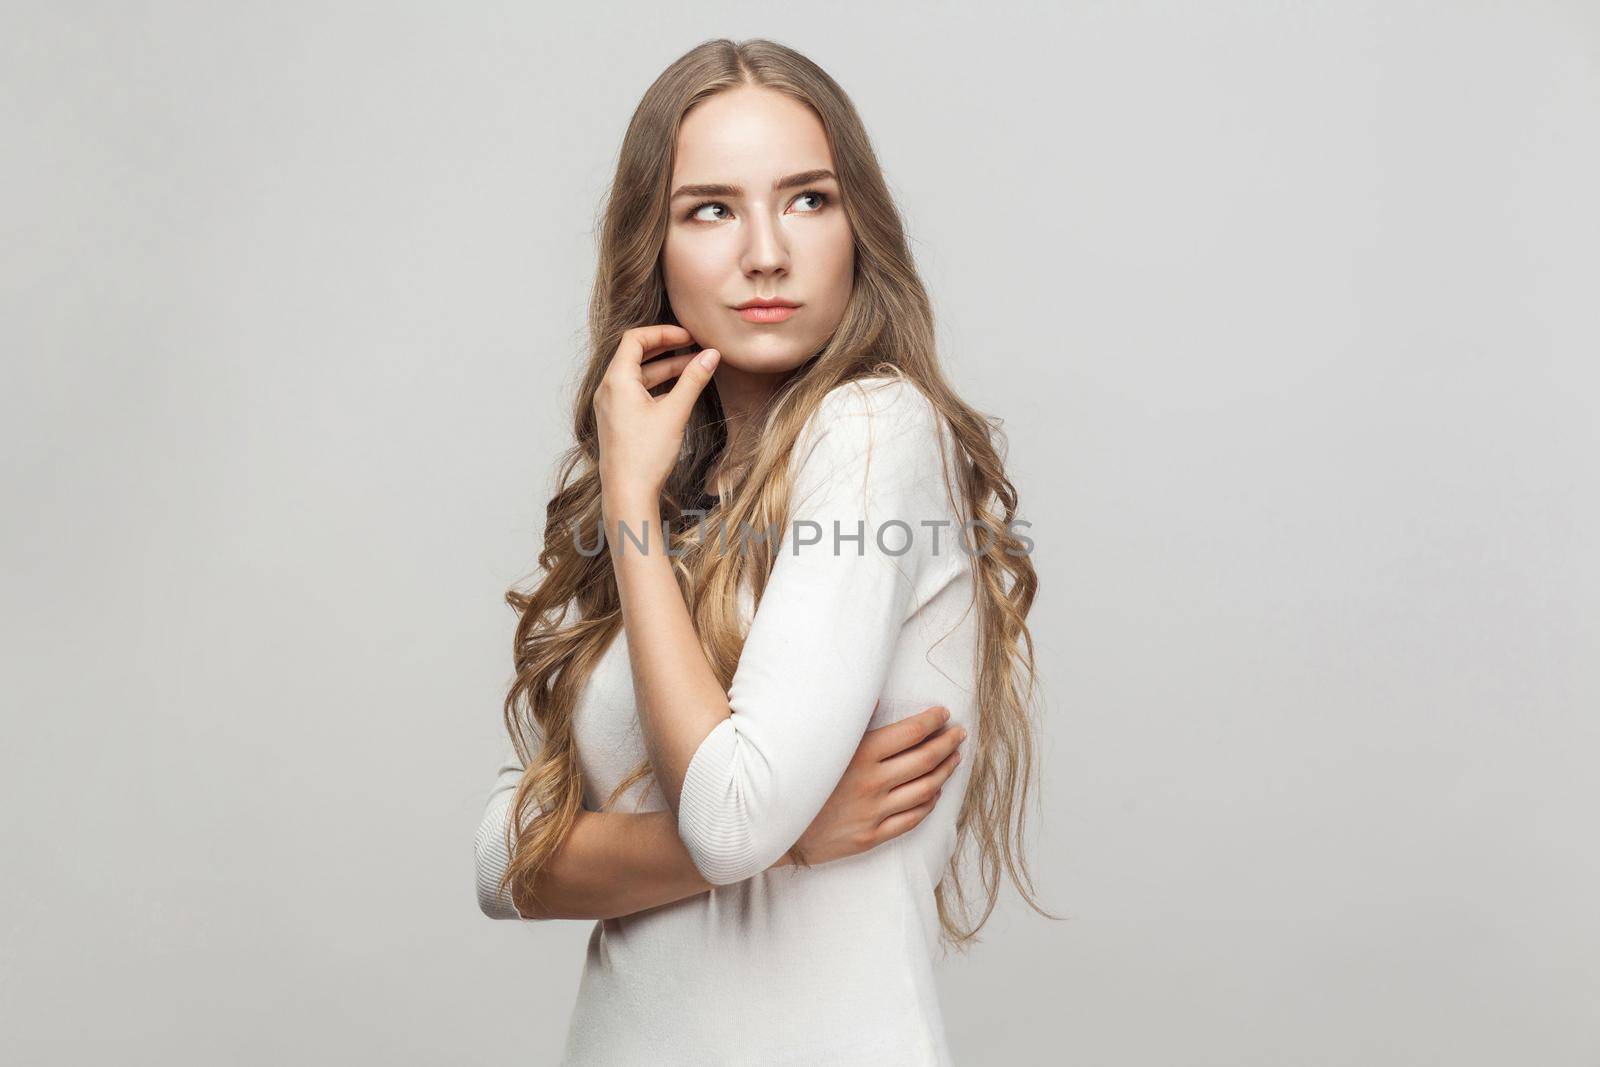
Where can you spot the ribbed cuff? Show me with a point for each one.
(713, 820)
(493, 861)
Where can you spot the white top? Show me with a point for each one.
(832, 964)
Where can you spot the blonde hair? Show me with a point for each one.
(571, 615)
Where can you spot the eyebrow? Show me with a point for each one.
(805, 177)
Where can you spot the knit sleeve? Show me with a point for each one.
(491, 855)
(819, 648)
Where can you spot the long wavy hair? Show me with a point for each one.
(572, 613)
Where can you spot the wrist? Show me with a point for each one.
(630, 502)
(631, 519)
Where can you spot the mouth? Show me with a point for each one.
(766, 312)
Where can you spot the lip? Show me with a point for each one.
(766, 302)
(766, 312)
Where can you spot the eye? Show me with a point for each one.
(820, 198)
(694, 215)
(694, 212)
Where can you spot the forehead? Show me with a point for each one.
(749, 135)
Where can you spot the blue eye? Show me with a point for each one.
(694, 212)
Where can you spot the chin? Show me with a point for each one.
(763, 360)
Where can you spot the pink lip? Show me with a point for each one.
(766, 314)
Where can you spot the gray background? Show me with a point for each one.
(1289, 310)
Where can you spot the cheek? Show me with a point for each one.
(687, 271)
(838, 256)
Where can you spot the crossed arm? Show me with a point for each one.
(610, 863)
(614, 864)
(746, 770)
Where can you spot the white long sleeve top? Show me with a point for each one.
(831, 964)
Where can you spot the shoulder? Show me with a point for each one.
(878, 413)
(884, 422)
(886, 397)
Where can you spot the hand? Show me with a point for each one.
(890, 786)
(640, 434)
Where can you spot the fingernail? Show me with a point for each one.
(963, 733)
(708, 358)
(944, 714)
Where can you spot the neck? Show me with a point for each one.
(743, 395)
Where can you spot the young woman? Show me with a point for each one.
(808, 555)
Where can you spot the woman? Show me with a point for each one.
(818, 544)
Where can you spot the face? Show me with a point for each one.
(732, 237)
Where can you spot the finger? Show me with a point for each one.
(642, 342)
(922, 789)
(692, 382)
(886, 741)
(659, 370)
(900, 822)
(919, 760)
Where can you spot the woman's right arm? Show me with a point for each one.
(614, 864)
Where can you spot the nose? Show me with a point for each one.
(766, 250)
